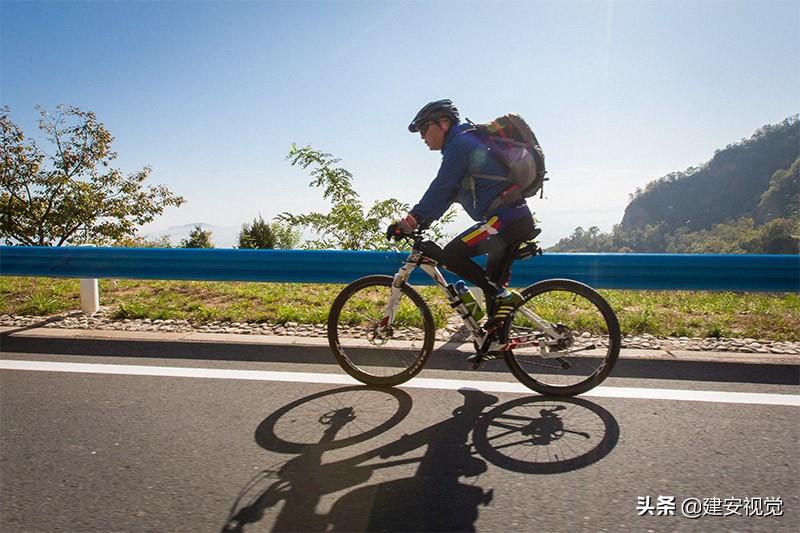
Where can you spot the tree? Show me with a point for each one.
(778, 236)
(348, 226)
(591, 240)
(256, 235)
(71, 195)
(286, 237)
(198, 238)
(263, 235)
(144, 242)
(782, 199)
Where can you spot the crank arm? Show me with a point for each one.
(590, 347)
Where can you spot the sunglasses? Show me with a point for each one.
(424, 128)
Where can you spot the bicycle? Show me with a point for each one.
(563, 340)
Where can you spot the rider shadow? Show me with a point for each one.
(435, 498)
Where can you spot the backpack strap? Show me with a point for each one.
(493, 177)
(469, 183)
(508, 140)
(510, 195)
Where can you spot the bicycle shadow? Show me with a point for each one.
(546, 435)
(436, 496)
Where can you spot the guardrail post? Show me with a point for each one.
(90, 294)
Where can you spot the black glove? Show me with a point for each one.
(393, 231)
(404, 226)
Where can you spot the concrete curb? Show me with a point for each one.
(317, 342)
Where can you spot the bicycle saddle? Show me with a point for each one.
(528, 247)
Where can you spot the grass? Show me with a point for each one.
(773, 316)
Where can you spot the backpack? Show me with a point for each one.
(515, 145)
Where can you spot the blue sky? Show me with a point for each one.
(212, 94)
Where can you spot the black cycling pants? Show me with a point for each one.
(493, 237)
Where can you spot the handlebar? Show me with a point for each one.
(416, 238)
(422, 245)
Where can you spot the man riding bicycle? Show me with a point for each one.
(503, 218)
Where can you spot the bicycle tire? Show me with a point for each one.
(301, 424)
(380, 365)
(610, 341)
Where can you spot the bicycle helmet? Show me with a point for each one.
(434, 111)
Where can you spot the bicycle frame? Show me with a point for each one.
(429, 266)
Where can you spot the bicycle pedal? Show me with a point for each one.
(487, 342)
(474, 361)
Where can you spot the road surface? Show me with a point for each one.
(120, 435)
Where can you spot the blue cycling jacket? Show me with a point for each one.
(463, 154)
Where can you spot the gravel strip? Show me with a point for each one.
(453, 331)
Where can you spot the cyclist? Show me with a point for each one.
(503, 218)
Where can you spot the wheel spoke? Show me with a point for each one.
(581, 343)
(366, 349)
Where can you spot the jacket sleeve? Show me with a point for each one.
(444, 188)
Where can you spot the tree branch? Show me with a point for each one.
(21, 238)
(69, 234)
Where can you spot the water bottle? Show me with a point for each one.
(467, 298)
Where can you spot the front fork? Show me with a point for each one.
(397, 292)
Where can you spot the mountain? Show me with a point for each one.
(745, 199)
(726, 188)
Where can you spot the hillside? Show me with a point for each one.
(746, 199)
(728, 187)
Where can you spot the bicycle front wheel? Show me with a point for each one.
(567, 337)
(370, 347)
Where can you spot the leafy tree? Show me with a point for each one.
(144, 242)
(258, 234)
(348, 225)
(591, 240)
(198, 238)
(71, 195)
(720, 239)
(778, 236)
(650, 238)
(782, 199)
(286, 237)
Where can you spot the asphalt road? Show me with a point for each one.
(179, 437)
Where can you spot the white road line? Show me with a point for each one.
(420, 383)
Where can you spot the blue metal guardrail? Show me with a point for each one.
(780, 273)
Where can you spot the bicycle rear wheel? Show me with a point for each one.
(588, 348)
(369, 348)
